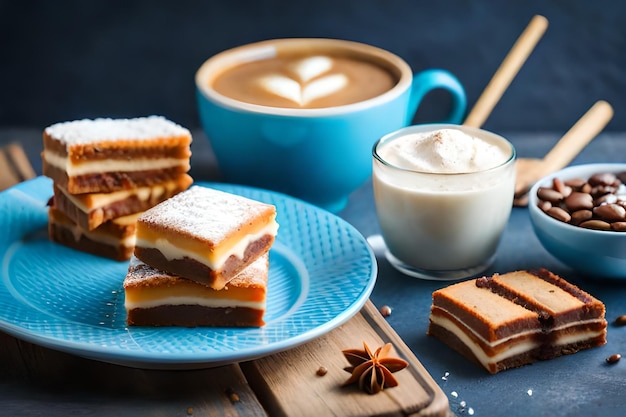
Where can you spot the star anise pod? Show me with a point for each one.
(373, 371)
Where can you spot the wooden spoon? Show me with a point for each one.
(529, 170)
(507, 71)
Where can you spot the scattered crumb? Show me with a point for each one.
(385, 311)
(232, 395)
(614, 358)
(321, 371)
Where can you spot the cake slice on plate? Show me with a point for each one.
(157, 298)
(105, 155)
(514, 319)
(205, 235)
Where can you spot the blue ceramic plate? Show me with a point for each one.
(321, 273)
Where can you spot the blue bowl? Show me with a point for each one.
(593, 253)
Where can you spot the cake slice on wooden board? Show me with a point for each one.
(157, 298)
(106, 155)
(92, 209)
(114, 239)
(205, 235)
(514, 319)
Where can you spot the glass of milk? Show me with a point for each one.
(443, 197)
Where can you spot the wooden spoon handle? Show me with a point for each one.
(579, 135)
(507, 71)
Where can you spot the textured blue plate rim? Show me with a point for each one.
(40, 189)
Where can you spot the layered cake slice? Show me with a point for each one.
(156, 298)
(514, 319)
(205, 235)
(114, 239)
(106, 155)
(92, 209)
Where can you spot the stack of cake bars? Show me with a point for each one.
(106, 172)
(201, 259)
(514, 319)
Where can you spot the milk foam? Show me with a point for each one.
(448, 151)
(306, 81)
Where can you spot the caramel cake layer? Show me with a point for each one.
(114, 239)
(92, 209)
(205, 234)
(517, 318)
(157, 298)
(106, 155)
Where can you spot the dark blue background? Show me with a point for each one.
(72, 59)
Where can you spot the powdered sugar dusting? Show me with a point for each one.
(205, 213)
(101, 129)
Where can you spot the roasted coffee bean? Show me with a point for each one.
(595, 225)
(620, 320)
(575, 183)
(559, 214)
(610, 212)
(544, 205)
(580, 216)
(614, 358)
(618, 226)
(602, 178)
(579, 201)
(549, 194)
(558, 185)
(597, 203)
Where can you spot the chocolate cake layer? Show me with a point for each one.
(106, 182)
(195, 316)
(199, 272)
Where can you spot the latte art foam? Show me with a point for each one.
(307, 80)
(300, 81)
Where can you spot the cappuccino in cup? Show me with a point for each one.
(307, 80)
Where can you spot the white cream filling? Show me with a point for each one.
(577, 337)
(171, 251)
(103, 199)
(127, 242)
(516, 349)
(210, 303)
(110, 165)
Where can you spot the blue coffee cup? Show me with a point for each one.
(320, 155)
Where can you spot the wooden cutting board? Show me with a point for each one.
(287, 383)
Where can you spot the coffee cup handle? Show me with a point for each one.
(431, 79)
